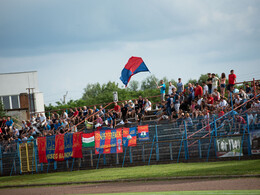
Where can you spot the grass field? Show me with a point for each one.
(247, 167)
(227, 192)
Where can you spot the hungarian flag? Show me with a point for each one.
(129, 136)
(77, 145)
(133, 66)
(143, 133)
(41, 141)
(88, 140)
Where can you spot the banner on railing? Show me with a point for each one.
(68, 142)
(59, 148)
(108, 141)
(229, 147)
(42, 149)
(77, 145)
(50, 148)
(129, 136)
(143, 133)
(88, 140)
(255, 141)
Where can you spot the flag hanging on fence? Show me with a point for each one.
(50, 148)
(88, 140)
(108, 141)
(68, 142)
(130, 135)
(143, 133)
(42, 149)
(133, 66)
(77, 145)
(59, 148)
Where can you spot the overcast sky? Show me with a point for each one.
(73, 43)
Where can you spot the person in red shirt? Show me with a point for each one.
(231, 80)
(210, 100)
(198, 90)
(241, 124)
(117, 109)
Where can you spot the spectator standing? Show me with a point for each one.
(171, 87)
(205, 88)
(231, 80)
(222, 84)
(215, 81)
(209, 83)
(198, 90)
(180, 86)
(162, 87)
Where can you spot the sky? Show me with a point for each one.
(72, 43)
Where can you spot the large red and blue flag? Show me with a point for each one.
(133, 66)
(108, 141)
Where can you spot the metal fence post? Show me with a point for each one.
(199, 148)
(157, 144)
(170, 146)
(248, 136)
(186, 142)
(216, 134)
(18, 152)
(104, 159)
(143, 153)
(130, 155)
(35, 156)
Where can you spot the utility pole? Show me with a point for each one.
(30, 101)
(64, 97)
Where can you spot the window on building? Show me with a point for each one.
(15, 101)
(6, 101)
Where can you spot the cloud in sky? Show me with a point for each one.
(80, 42)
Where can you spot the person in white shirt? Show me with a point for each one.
(223, 103)
(205, 88)
(147, 106)
(171, 86)
(214, 82)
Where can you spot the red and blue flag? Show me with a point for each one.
(108, 141)
(133, 66)
(143, 132)
(129, 136)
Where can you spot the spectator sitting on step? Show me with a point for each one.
(9, 124)
(131, 110)
(117, 110)
(147, 106)
(124, 110)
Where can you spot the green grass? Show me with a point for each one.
(154, 171)
(217, 192)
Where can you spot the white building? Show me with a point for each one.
(20, 93)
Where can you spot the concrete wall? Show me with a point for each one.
(16, 83)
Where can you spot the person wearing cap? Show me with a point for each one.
(131, 110)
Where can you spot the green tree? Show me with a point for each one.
(133, 85)
(2, 111)
(149, 83)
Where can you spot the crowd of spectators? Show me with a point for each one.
(180, 104)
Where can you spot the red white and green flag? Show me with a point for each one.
(88, 140)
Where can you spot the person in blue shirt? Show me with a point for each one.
(162, 87)
(9, 124)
